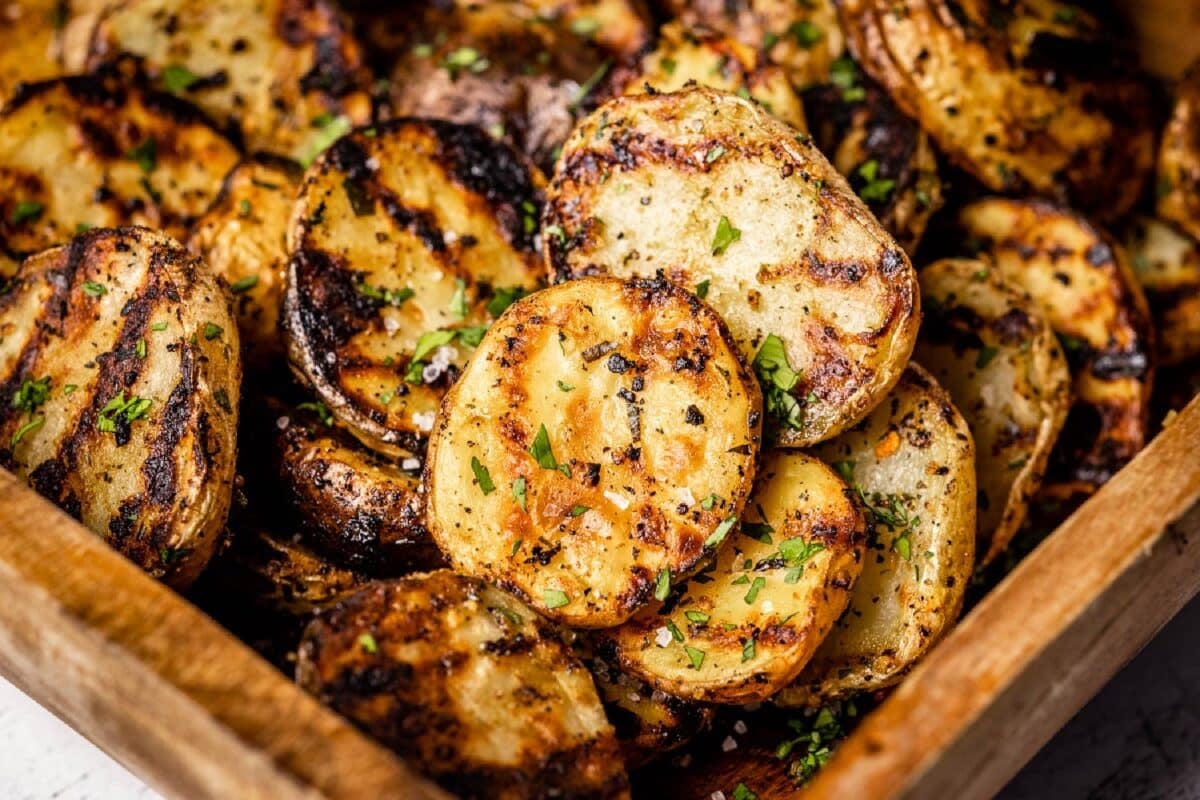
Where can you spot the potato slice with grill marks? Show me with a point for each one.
(284, 73)
(571, 458)
(913, 463)
(1082, 279)
(709, 190)
(991, 347)
(1167, 265)
(1028, 97)
(469, 685)
(95, 151)
(243, 237)
(743, 629)
(403, 237)
(119, 383)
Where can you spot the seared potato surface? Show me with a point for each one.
(709, 190)
(469, 685)
(1178, 189)
(573, 457)
(1167, 265)
(121, 374)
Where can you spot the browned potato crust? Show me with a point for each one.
(573, 457)
(1082, 279)
(98, 151)
(280, 71)
(1167, 265)
(119, 382)
(712, 192)
(468, 684)
(1179, 158)
(243, 236)
(1025, 96)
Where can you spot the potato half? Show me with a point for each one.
(912, 462)
(1082, 279)
(469, 685)
(743, 629)
(1179, 158)
(243, 236)
(97, 151)
(1167, 265)
(712, 192)
(406, 241)
(288, 75)
(1027, 97)
(120, 372)
(990, 346)
(572, 460)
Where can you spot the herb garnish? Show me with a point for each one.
(778, 379)
(482, 476)
(726, 235)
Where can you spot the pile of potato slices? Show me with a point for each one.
(556, 385)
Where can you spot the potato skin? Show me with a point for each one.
(646, 408)
(660, 183)
(469, 685)
(990, 346)
(1028, 97)
(122, 314)
(1167, 265)
(107, 152)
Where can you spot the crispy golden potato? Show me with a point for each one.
(288, 75)
(573, 457)
(709, 190)
(884, 155)
(1083, 281)
(360, 507)
(97, 152)
(740, 631)
(29, 42)
(802, 37)
(1026, 97)
(469, 685)
(711, 60)
(243, 237)
(1179, 158)
(1167, 265)
(648, 722)
(912, 462)
(990, 346)
(406, 240)
(120, 373)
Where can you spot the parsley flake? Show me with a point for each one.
(482, 476)
(726, 235)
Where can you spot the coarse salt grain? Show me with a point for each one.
(330, 357)
(728, 745)
(767, 607)
(739, 727)
(410, 464)
(662, 637)
(718, 795)
(282, 423)
(424, 421)
(686, 497)
(618, 500)
(390, 323)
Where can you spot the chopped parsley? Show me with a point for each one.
(178, 78)
(458, 301)
(564, 387)
(668, 65)
(742, 792)
(721, 531)
(587, 86)
(320, 409)
(26, 211)
(875, 189)
(518, 493)
(710, 501)
(465, 58)
(726, 235)
(32, 395)
(391, 297)
(662, 586)
(482, 476)
(579, 511)
(555, 598)
(31, 425)
(755, 587)
(244, 284)
(698, 617)
(748, 650)
(714, 153)
(585, 26)
(544, 454)
(146, 155)
(778, 379)
(212, 331)
(702, 289)
(986, 354)
(503, 298)
(695, 656)
(140, 348)
(673, 629)
(93, 289)
(120, 410)
(805, 33)
(330, 128)
(367, 644)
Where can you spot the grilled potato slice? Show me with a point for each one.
(573, 456)
(709, 59)
(1083, 281)
(403, 237)
(804, 38)
(912, 462)
(886, 156)
(480, 692)
(990, 346)
(29, 46)
(120, 376)
(92, 151)
(711, 191)
(243, 237)
(288, 75)
(1026, 97)
(1179, 158)
(1167, 265)
(648, 722)
(358, 506)
(743, 630)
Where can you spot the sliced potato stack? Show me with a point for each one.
(912, 463)
(1026, 98)
(1167, 265)
(120, 373)
(406, 240)
(1179, 158)
(29, 43)
(711, 191)
(94, 152)
(243, 238)
(1082, 280)
(991, 347)
(599, 445)
(743, 629)
(469, 684)
(711, 60)
(288, 75)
